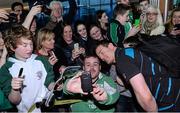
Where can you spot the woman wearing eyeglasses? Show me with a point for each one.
(152, 23)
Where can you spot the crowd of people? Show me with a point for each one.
(37, 45)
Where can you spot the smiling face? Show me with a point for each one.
(151, 17)
(95, 33)
(92, 65)
(176, 18)
(106, 53)
(67, 34)
(81, 29)
(151, 14)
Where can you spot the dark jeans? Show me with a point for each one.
(126, 104)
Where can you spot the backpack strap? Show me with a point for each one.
(156, 53)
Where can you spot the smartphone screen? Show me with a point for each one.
(20, 72)
(86, 82)
(136, 22)
(177, 27)
(76, 46)
(50, 53)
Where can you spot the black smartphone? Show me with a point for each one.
(12, 18)
(20, 76)
(86, 82)
(177, 27)
(50, 53)
(20, 73)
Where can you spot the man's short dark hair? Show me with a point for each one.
(16, 4)
(120, 9)
(104, 43)
(94, 56)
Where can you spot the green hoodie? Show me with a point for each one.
(89, 104)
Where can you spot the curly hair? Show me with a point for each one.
(13, 35)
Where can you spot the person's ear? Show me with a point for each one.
(12, 48)
(111, 46)
(83, 68)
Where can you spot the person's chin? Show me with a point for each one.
(108, 62)
(28, 55)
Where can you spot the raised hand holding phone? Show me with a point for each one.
(75, 51)
(17, 82)
(137, 22)
(177, 27)
(76, 47)
(86, 82)
(20, 73)
(52, 58)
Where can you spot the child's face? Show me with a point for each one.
(24, 49)
(123, 18)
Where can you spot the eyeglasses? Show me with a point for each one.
(153, 14)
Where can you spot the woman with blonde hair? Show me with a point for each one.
(45, 45)
(152, 23)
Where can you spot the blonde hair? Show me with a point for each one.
(155, 28)
(43, 34)
(159, 16)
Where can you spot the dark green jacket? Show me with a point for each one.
(116, 33)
